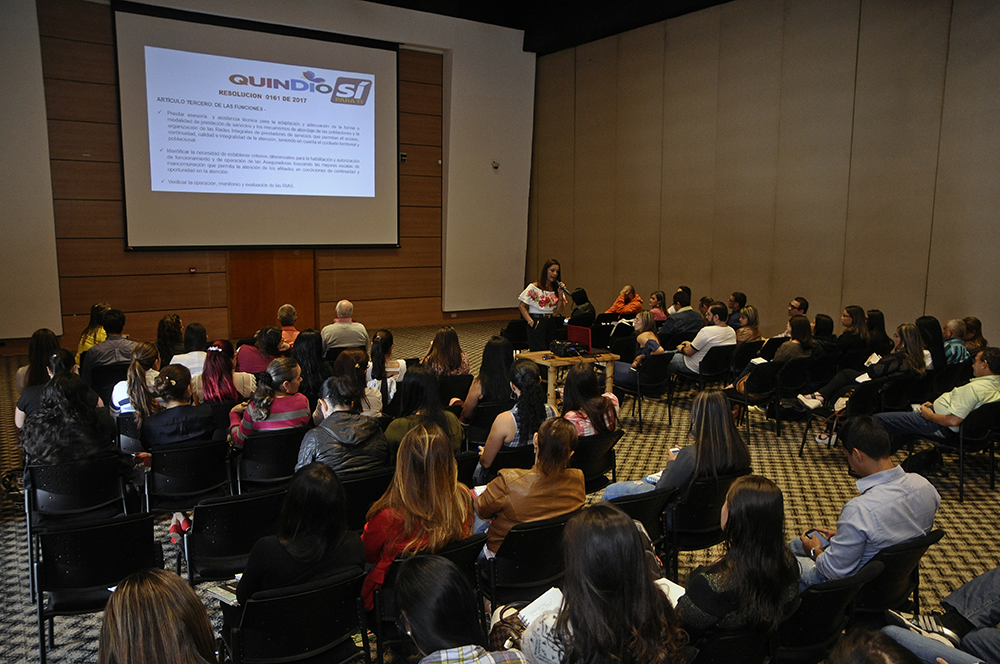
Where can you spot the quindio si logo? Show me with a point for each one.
(353, 91)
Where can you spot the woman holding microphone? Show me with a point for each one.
(539, 301)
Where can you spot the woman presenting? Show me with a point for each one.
(538, 301)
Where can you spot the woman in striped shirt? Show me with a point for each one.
(275, 405)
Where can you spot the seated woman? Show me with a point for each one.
(308, 352)
(256, 358)
(824, 341)
(437, 610)
(384, 372)
(178, 420)
(276, 404)
(549, 489)
(67, 425)
(855, 335)
(585, 406)
(94, 333)
(658, 306)
(749, 325)
(142, 373)
(445, 357)
(492, 385)
(218, 381)
(933, 340)
(421, 405)
(155, 617)
(353, 363)
(42, 344)
(878, 341)
(344, 440)
(583, 313)
(973, 338)
(515, 427)
(718, 449)
(800, 346)
(312, 543)
(423, 509)
(612, 609)
(649, 344)
(169, 338)
(907, 358)
(60, 362)
(754, 585)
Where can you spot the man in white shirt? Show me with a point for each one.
(715, 333)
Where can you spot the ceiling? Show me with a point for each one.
(554, 25)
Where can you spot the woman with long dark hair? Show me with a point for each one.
(755, 583)
(218, 381)
(445, 356)
(169, 337)
(973, 338)
(718, 449)
(66, 425)
(493, 382)
(591, 410)
(515, 427)
(142, 373)
(94, 333)
(276, 404)
(424, 508)
(933, 340)
(800, 346)
(62, 361)
(539, 301)
(308, 352)
(824, 341)
(855, 334)
(267, 347)
(878, 340)
(384, 371)
(42, 344)
(421, 405)
(353, 363)
(612, 609)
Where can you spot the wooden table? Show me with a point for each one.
(554, 363)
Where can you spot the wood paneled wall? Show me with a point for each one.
(390, 287)
(842, 150)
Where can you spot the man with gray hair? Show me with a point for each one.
(955, 351)
(286, 318)
(343, 332)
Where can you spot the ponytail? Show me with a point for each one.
(278, 371)
(144, 356)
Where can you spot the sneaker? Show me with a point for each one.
(811, 401)
(928, 626)
(827, 439)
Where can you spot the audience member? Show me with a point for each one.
(823, 338)
(308, 352)
(749, 327)
(736, 303)
(683, 319)
(345, 440)
(424, 508)
(178, 420)
(612, 609)
(878, 340)
(492, 385)
(718, 449)
(384, 371)
(154, 617)
(626, 373)
(515, 427)
(974, 334)
(800, 346)
(893, 507)
(265, 349)
(585, 404)
(421, 405)
(219, 382)
(353, 363)
(799, 306)
(854, 338)
(716, 333)
(286, 319)
(549, 489)
(863, 646)
(445, 357)
(169, 338)
(344, 332)
(704, 304)
(195, 345)
(115, 349)
(276, 404)
(60, 362)
(139, 380)
(539, 301)
(658, 305)
(627, 303)
(583, 314)
(42, 344)
(673, 307)
(930, 332)
(94, 333)
(755, 584)
(955, 351)
(66, 425)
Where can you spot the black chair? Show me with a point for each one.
(104, 377)
(898, 393)
(516, 332)
(862, 402)
(182, 475)
(672, 341)
(810, 633)
(624, 345)
(79, 563)
(302, 623)
(465, 554)
(362, 490)
(128, 434)
(693, 522)
(467, 462)
(822, 370)
(771, 347)
(652, 381)
(760, 389)
(745, 352)
(332, 353)
(951, 376)
(647, 508)
(792, 381)
(454, 387)
(737, 647)
(268, 458)
(513, 457)
(600, 331)
(220, 411)
(223, 530)
(892, 588)
(595, 456)
(714, 367)
(853, 359)
(482, 419)
(975, 434)
(528, 562)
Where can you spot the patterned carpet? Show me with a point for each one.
(816, 486)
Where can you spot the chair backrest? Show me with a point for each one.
(745, 352)
(128, 433)
(742, 647)
(898, 393)
(595, 456)
(763, 379)
(853, 359)
(104, 377)
(75, 487)
(529, 560)
(187, 470)
(794, 375)
(464, 553)
(823, 368)
(220, 412)
(298, 622)
(270, 456)
(771, 347)
(516, 332)
(231, 525)
(647, 508)
(483, 416)
(625, 346)
(893, 586)
(454, 387)
(948, 378)
(96, 555)
(362, 490)
(865, 398)
(699, 510)
(652, 374)
(824, 610)
(717, 361)
(513, 457)
(579, 335)
(332, 353)
(671, 341)
(467, 462)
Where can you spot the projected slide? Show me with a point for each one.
(233, 126)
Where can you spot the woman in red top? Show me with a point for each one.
(424, 508)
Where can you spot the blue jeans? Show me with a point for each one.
(979, 602)
(635, 487)
(904, 423)
(810, 576)
(928, 650)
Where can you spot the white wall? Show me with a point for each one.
(29, 296)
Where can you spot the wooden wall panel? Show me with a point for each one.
(902, 52)
(83, 257)
(161, 293)
(374, 283)
(421, 160)
(81, 180)
(79, 61)
(72, 19)
(420, 67)
(419, 129)
(84, 141)
(89, 219)
(420, 191)
(141, 325)
(420, 98)
(86, 102)
(419, 222)
(413, 252)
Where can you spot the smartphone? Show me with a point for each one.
(823, 541)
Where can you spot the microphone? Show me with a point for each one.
(562, 287)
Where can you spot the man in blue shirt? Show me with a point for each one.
(736, 303)
(894, 507)
(955, 351)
